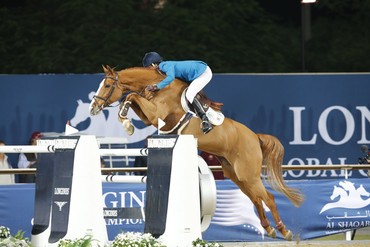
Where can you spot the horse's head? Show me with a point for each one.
(115, 84)
(107, 93)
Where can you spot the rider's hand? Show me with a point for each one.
(152, 88)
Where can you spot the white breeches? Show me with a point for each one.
(198, 84)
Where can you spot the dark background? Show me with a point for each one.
(247, 36)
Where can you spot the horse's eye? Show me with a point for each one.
(107, 86)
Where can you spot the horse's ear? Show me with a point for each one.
(108, 70)
(105, 69)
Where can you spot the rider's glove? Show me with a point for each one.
(152, 88)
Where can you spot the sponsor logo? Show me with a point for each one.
(351, 130)
(346, 207)
(110, 213)
(58, 143)
(60, 204)
(162, 143)
(61, 191)
(122, 199)
(346, 195)
(65, 143)
(121, 222)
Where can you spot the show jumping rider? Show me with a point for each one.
(196, 73)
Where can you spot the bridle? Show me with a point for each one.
(112, 88)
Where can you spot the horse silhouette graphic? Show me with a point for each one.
(107, 124)
(348, 196)
(234, 208)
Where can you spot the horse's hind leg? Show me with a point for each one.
(257, 201)
(259, 194)
(270, 203)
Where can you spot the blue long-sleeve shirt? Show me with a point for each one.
(184, 70)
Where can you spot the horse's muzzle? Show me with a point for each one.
(95, 109)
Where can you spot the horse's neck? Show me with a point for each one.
(137, 78)
(168, 99)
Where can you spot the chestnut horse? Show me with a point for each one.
(240, 151)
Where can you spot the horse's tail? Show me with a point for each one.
(273, 153)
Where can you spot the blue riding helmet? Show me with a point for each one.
(151, 57)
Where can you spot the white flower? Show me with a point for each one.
(136, 239)
(4, 232)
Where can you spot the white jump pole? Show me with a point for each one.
(123, 179)
(27, 149)
(51, 149)
(124, 152)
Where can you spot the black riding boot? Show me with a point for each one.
(206, 125)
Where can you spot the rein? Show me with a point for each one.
(113, 87)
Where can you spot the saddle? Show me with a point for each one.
(206, 102)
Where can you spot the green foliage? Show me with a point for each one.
(343, 26)
(202, 243)
(81, 242)
(78, 36)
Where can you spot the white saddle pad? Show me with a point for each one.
(215, 117)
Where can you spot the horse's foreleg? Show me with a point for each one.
(122, 117)
(146, 110)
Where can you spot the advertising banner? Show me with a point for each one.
(330, 206)
(319, 118)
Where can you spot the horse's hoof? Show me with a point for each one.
(272, 233)
(289, 236)
(130, 129)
